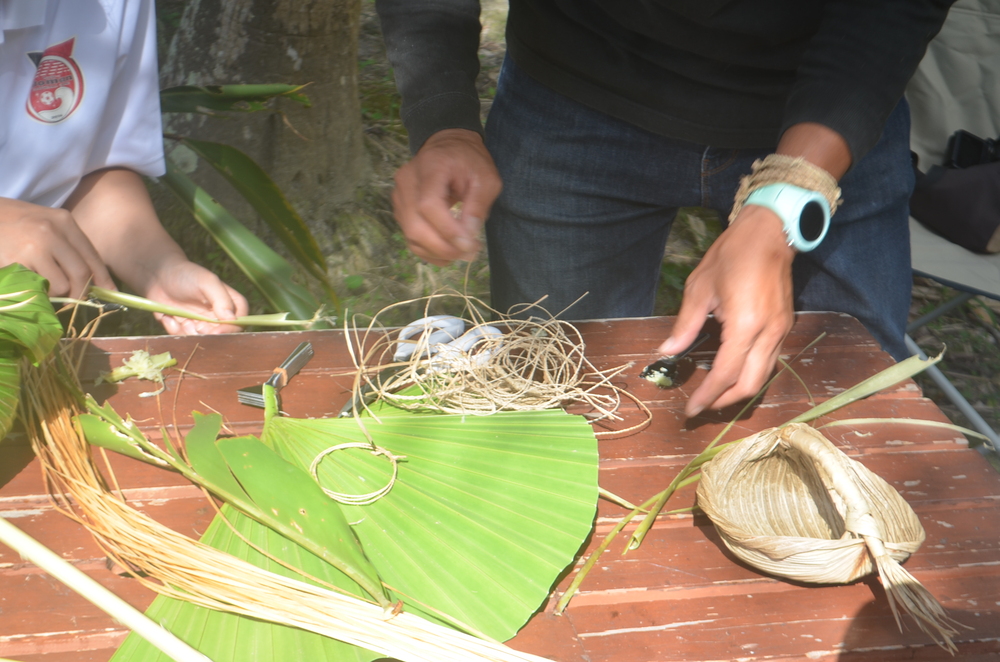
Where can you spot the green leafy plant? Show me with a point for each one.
(269, 272)
(28, 328)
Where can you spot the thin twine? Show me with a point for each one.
(357, 499)
(538, 363)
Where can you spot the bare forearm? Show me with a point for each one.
(818, 144)
(113, 209)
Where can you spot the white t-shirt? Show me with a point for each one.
(78, 92)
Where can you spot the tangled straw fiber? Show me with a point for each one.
(788, 502)
(538, 363)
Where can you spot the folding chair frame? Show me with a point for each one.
(991, 447)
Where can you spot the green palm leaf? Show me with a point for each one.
(27, 320)
(269, 272)
(483, 516)
(226, 637)
(267, 200)
(28, 327)
(237, 98)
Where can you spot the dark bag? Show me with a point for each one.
(962, 204)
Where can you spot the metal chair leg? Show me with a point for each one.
(977, 421)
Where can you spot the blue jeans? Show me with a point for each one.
(588, 201)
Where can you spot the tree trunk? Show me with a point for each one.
(316, 155)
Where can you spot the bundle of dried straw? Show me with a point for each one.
(790, 503)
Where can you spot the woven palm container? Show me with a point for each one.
(788, 502)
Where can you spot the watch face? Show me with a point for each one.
(811, 221)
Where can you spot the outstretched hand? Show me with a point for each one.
(745, 280)
(50, 243)
(452, 167)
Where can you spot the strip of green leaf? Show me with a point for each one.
(267, 200)
(235, 98)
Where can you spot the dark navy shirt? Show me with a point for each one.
(729, 73)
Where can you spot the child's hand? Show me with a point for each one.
(50, 243)
(184, 284)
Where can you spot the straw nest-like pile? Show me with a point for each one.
(788, 502)
(516, 364)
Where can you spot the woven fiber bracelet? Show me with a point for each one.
(781, 169)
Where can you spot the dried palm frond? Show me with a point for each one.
(177, 566)
(788, 502)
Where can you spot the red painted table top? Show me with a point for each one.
(680, 596)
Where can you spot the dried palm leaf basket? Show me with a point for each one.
(788, 502)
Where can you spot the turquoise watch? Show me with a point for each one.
(804, 213)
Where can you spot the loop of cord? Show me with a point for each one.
(357, 499)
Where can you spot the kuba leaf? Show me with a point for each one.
(28, 327)
(239, 98)
(270, 273)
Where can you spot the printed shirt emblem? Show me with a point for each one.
(58, 85)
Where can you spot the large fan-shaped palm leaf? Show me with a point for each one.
(483, 516)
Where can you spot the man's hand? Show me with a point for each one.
(186, 285)
(452, 167)
(50, 243)
(745, 280)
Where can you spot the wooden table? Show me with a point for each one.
(680, 596)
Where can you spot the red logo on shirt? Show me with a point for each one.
(58, 86)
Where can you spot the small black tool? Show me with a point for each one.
(254, 395)
(671, 371)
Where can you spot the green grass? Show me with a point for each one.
(970, 337)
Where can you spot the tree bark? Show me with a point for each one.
(316, 155)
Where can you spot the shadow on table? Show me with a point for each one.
(15, 454)
(874, 635)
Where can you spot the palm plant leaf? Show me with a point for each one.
(237, 98)
(28, 327)
(26, 317)
(270, 273)
(226, 637)
(483, 516)
(267, 200)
